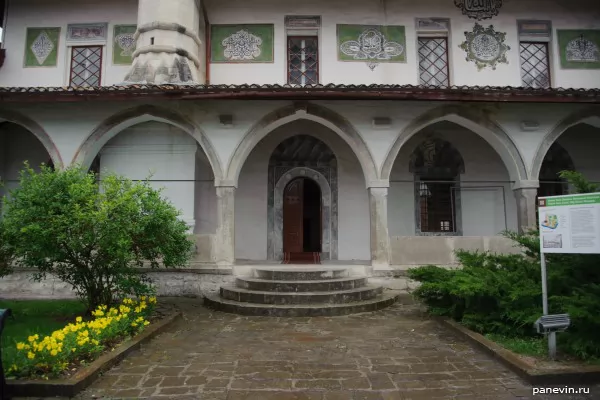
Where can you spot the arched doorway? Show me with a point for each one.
(302, 222)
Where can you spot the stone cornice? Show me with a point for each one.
(167, 26)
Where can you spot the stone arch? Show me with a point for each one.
(115, 124)
(329, 222)
(39, 132)
(436, 156)
(552, 136)
(312, 112)
(477, 121)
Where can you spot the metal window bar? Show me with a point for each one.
(434, 68)
(86, 66)
(436, 206)
(303, 62)
(535, 65)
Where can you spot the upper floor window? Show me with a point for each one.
(302, 50)
(86, 46)
(86, 66)
(434, 65)
(534, 38)
(303, 62)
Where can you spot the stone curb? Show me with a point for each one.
(526, 370)
(85, 377)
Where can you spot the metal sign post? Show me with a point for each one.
(552, 334)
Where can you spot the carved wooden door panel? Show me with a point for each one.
(293, 208)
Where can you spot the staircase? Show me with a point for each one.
(301, 292)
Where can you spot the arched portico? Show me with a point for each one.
(472, 119)
(590, 115)
(299, 111)
(39, 132)
(110, 127)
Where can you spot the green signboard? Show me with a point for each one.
(41, 47)
(570, 224)
(371, 43)
(579, 49)
(123, 44)
(251, 43)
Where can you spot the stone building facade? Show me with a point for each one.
(416, 128)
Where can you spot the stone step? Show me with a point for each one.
(304, 310)
(300, 273)
(341, 296)
(327, 285)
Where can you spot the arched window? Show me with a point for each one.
(436, 165)
(557, 159)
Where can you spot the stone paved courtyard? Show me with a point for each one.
(393, 354)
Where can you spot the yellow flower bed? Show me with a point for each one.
(82, 341)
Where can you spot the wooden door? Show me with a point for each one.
(293, 213)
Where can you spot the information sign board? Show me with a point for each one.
(570, 224)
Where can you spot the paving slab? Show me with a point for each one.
(396, 353)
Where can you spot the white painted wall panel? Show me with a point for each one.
(59, 13)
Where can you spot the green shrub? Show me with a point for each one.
(91, 236)
(501, 294)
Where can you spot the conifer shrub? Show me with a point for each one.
(502, 294)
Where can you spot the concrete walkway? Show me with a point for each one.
(392, 354)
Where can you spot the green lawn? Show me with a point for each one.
(35, 316)
(535, 347)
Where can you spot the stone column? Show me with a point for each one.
(170, 43)
(526, 193)
(380, 238)
(225, 237)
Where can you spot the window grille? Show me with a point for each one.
(86, 66)
(303, 64)
(436, 206)
(535, 65)
(433, 62)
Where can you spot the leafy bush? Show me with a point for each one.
(501, 294)
(80, 342)
(91, 236)
(5, 255)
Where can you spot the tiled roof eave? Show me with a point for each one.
(348, 92)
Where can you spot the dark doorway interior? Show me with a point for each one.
(312, 216)
(302, 221)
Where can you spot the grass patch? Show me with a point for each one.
(534, 347)
(35, 316)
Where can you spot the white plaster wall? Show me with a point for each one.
(486, 190)
(584, 14)
(18, 145)
(251, 196)
(23, 14)
(168, 156)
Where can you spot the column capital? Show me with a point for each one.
(379, 183)
(378, 191)
(225, 183)
(526, 185)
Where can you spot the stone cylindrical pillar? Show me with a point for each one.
(225, 237)
(380, 238)
(170, 43)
